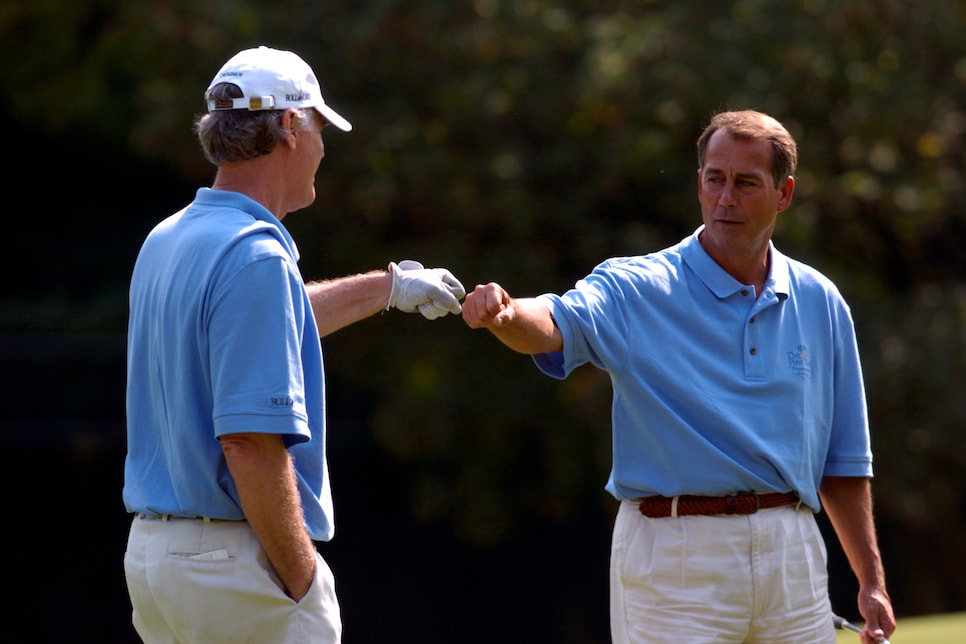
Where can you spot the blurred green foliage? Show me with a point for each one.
(523, 141)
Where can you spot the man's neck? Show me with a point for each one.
(751, 271)
(255, 180)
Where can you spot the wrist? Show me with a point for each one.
(393, 271)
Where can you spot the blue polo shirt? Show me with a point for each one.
(221, 340)
(716, 391)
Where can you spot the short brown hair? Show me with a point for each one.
(749, 124)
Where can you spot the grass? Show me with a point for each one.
(936, 629)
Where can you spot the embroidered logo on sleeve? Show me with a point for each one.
(798, 362)
(282, 401)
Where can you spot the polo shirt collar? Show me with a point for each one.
(720, 282)
(261, 214)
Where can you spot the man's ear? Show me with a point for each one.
(288, 122)
(787, 190)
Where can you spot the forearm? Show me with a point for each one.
(530, 330)
(265, 479)
(340, 302)
(848, 503)
(524, 325)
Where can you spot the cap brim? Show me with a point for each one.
(334, 117)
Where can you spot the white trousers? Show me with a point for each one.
(754, 579)
(198, 581)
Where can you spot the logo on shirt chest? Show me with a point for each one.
(798, 361)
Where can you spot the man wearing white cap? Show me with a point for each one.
(226, 469)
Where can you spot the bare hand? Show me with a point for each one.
(876, 609)
(487, 305)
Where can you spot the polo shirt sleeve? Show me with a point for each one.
(553, 364)
(850, 452)
(255, 329)
(592, 323)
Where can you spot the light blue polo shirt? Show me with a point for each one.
(221, 339)
(716, 391)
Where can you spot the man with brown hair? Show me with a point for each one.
(739, 411)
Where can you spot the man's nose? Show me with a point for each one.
(727, 198)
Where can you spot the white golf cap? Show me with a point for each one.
(272, 79)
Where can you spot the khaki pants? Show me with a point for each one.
(757, 578)
(192, 580)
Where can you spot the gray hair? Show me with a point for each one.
(228, 136)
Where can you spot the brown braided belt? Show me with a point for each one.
(659, 507)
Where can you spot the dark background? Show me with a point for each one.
(520, 142)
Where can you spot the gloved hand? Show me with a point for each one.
(434, 292)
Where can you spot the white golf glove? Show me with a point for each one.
(434, 292)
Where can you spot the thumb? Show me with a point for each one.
(453, 284)
(505, 316)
